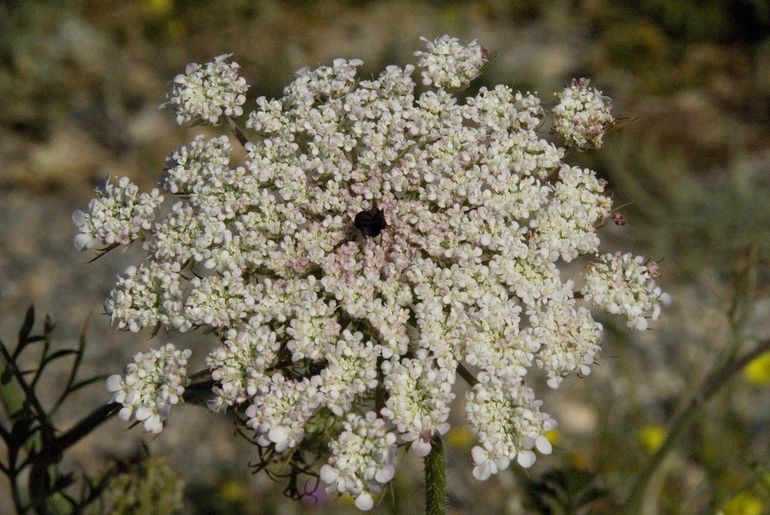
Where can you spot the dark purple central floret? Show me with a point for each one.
(371, 222)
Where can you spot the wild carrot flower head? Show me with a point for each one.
(380, 240)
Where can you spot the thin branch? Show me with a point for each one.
(24, 332)
(465, 374)
(739, 365)
(725, 366)
(87, 424)
(46, 429)
(43, 361)
(75, 366)
(237, 131)
(201, 373)
(199, 393)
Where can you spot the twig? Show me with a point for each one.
(237, 131)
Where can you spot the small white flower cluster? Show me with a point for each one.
(567, 227)
(148, 296)
(361, 459)
(151, 386)
(377, 241)
(419, 398)
(239, 365)
(508, 421)
(204, 93)
(448, 63)
(569, 340)
(190, 167)
(280, 409)
(582, 115)
(118, 215)
(351, 370)
(623, 284)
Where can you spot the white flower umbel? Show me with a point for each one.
(419, 398)
(351, 371)
(449, 64)
(568, 338)
(151, 386)
(204, 93)
(147, 296)
(376, 238)
(117, 216)
(582, 115)
(568, 225)
(509, 423)
(362, 459)
(191, 167)
(239, 365)
(280, 409)
(623, 284)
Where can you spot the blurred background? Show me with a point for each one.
(80, 86)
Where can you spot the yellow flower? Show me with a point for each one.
(461, 437)
(232, 491)
(553, 436)
(651, 437)
(174, 29)
(158, 8)
(744, 504)
(758, 370)
(347, 499)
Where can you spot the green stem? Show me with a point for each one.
(726, 365)
(435, 479)
(86, 425)
(710, 386)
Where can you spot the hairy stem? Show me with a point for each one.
(435, 479)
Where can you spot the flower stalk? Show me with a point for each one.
(435, 479)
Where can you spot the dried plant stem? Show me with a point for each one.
(435, 479)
